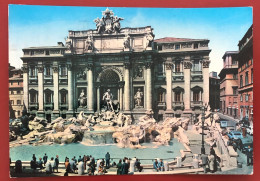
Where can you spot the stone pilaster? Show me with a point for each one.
(40, 112)
(168, 66)
(148, 83)
(90, 94)
(187, 67)
(25, 87)
(70, 89)
(121, 86)
(127, 87)
(55, 70)
(98, 96)
(205, 71)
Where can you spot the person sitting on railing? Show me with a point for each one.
(101, 169)
(72, 165)
(161, 165)
(138, 165)
(48, 167)
(155, 165)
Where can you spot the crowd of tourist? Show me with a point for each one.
(85, 164)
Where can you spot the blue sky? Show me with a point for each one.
(46, 25)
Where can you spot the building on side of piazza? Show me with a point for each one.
(245, 75)
(214, 90)
(168, 75)
(15, 92)
(229, 84)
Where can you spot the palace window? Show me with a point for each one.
(12, 102)
(196, 96)
(63, 70)
(235, 76)
(252, 76)
(241, 80)
(196, 45)
(177, 47)
(246, 79)
(196, 65)
(18, 102)
(32, 71)
(246, 97)
(177, 97)
(177, 66)
(18, 113)
(234, 90)
(63, 96)
(241, 98)
(48, 96)
(33, 96)
(47, 70)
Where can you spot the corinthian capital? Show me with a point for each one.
(168, 65)
(187, 64)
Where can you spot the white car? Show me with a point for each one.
(249, 130)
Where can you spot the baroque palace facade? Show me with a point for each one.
(168, 75)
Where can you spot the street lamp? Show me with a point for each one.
(203, 120)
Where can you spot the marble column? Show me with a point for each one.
(148, 83)
(187, 67)
(205, 72)
(168, 86)
(127, 87)
(25, 87)
(40, 112)
(90, 95)
(70, 88)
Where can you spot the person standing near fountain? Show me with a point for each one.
(108, 98)
(119, 168)
(107, 160)
(125, 167)
(56, 163)
(45, 158)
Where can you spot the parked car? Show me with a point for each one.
(244, 143)
(249, 130)
(235, 135)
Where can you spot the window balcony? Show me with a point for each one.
(33, 105)
(178, 76)
(48, 105)
(63, 106)
(196, 104)
(161, 105)
(178, 104)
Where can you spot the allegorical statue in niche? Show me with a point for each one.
(139, 72)
(139, 98)
(89, 45)
(149, 39)
(127, 42)
(81, 74)
(82, 99)
(108, 98)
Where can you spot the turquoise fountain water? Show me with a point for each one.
(25, 152)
